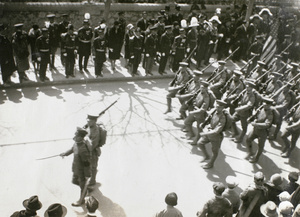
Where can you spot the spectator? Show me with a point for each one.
(292, 185)
(31, 205)
(297, 211)
(56, 210)
(286, 209)
(92, 205)
(295, 197)
(274, 188)
(284, 196)
(170, 211)
(269, 209)
(231, 194)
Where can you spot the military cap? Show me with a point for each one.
(284, 196)
(92, 116)
(44, 29)
(294, 176)
(92, 204)
(153, 27)
(265, 11)
(261, 63)
(221, 62)
(256, 16)
(268, 101)
(168, 27)
(50, 15)
(183, 64)
(197, 72)
(65, 15)
(56, 210)
(259, 37)
(277, 56)
(286, 208)
(171, 199)
(18, 25)
(86, 21)
(276, 74)
(269, 209)
(231, 182)
(294, 64)
(70, 26)
(276, 179)
(81, 132)
(204, 83)
(237, 72)
(181, 30)
(32, 203)
(221, 102)
(259, 176)
(287, 36)
(219, 187)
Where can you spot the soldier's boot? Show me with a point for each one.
(190, 131)
(83, 192)
(204, 151)
(234, 130)
(240, 138)
(249, 149)
(169, 104)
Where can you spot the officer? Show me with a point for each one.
(213, 134)
(81, 163)
(100, 48)
(151, 42)
(246, 101)
(69, 42)
(220, 77)
(54, 38)
(181, 78)
(261, 126)
(63, 28)
(85, 35)
(43, 49)
(97, 136)
(179, 49)
(166, 42)
(136, 48)
(21, 53)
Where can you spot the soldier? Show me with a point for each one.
(136, 49)
(199, 105)
(69, 44)
(273, 84)
(21, 53)
(292, 72)
(182, 77)
(7, 62)
(54, 38)
(220, 76)
(293, 130)
(142, 23)
(33, 34)
(255, 49)
(261, 126)
(63, 28)
(166, 42)
(179, 49)
(81, 163)
(217, 206)
(213, 134)
(259, 73)
(246, 101)
(97, 136)
(100, 47)
(151, 43)
(43, 49)
(284, 47)
(254, 196)
(85, 35)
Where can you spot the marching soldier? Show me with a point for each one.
(273, 83)
(21, 53)
(151, 43)
(293, 130)
(199, 105)
(255, 49)
(220, 76)
(261, 126)
(136, 49)
(292, 72)
(81, 166)
(181, 78)
(166, 42)
(69, 44)
(63, 28)
(246, 100)
(257, 74)
(43, 49)
(179, 49)
(100, 47)
(85, 35)
(213, 134)
(54, 38)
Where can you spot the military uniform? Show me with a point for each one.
(54, 39)
(151, 43)
(69, 44)
(219, 81)
(136, 49)
(85, 35)
(100, 47)
(257, 74)
(43, 49)
(166, 42)
(179, 49)
(63, 28)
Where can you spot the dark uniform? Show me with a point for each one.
(192, 37)
(166, 42)
(33, 34)
(151, 43)
(136, 48)
(43, 49)
(54, 38)
(179, 49)
(69, 45)
(85, 35)
(241, 40)
(142, 23)
(63, 28)
(100, 47)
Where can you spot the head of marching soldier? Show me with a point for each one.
(288, 38)
(219, 188)
(197, 76)
(92, 119)
(220, 105)
(267, 103)
(237, 75)
(259, 178)
(79, 134)
(250, 85)
(183, 66)
(221, 64)
(19, 28)
(51, 17)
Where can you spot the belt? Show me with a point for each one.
(85, 41)
(100, 50)
(44, 50)
(70, 47)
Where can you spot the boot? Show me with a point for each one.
(169, 102)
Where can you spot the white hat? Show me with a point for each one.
(231, 181)
(269, 209)
(218, 10)
(284, 196)
(183, 23)
(286, 207)
(215, 18)
(194, 22)
(265, 10)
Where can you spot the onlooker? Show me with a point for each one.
(274, 188)
(92, 205)
(56, 210)
(284, 196)
(286, 209)
(170, 211)
(231, 194)
(297, 211)
(292, 185)
(269, 209)
(32, 205)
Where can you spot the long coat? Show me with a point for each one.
(7, 62)
(115, 39)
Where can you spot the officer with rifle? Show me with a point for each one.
(213, 133)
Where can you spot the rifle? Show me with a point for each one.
(280, 89)
(102, 112)
(291, 112)
(208, 118)
(238, 97)
(189, 102)
(191, 54)
(286, 48)
(182, 90)
(249, 61)
(44, 158)
(226, 85)
(210, 79)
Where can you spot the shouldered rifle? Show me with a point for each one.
(210, 79)
(238, 97)
(208, 118)
(191, 54)
(249, 61)
(182, 90)
(190, 101)
(286, 48)
(226, 85)
(280, 89)
(291, 111)
(103, 111)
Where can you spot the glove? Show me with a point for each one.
(39, 59)
(173, 53)
(131, 57)
(147, 55)
(65, 54)
(163, 54)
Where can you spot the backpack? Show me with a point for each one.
(103, 134)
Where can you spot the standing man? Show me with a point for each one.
(166, 42)
(136, 47)
(63, 28)
(151, 43)
(54, 38)
(69, 42)
(179, 49)
(97, 136)
(81, 163)
(31, 205)
(100, 47)
(43, 49)
(220, 78)
(142, 23)
(85, 35)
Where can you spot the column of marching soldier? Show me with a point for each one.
(169, 38)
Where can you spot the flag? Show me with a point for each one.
(270, 45)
